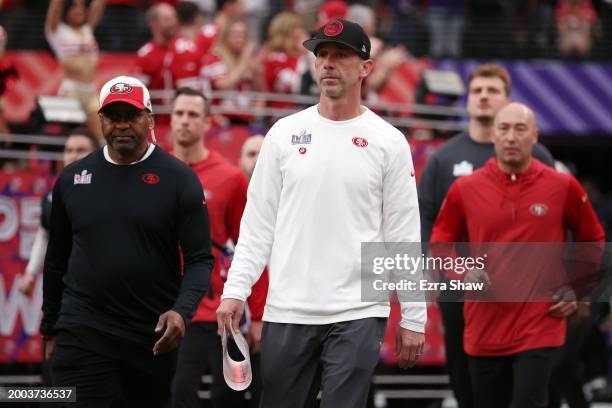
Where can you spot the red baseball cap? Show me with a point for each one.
(125, 89)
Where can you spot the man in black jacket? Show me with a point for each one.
(129, 259)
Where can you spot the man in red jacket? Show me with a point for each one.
(154, 59)
(225, 188)
(514, 198)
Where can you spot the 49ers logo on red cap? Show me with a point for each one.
(360, 142)
(333, 28)
(121, 88)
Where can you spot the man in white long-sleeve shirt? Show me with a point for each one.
(327, 179)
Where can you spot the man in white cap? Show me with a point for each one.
(327, 179)
(129, 259)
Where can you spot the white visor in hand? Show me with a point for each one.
(237, 374)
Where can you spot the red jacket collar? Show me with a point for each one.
(213, 159)
(530, 174)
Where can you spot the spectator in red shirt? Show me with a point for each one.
(7, 75)
(186, 57)
(227, 10)
(154, 59)
(514, 198)
(225, 188)
(286, 60)
(228, 68)
(575, 20)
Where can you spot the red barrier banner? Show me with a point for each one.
(20, 210)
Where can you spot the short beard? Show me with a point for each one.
(333, 94)
(485, 120)
(187, 142)
(127, 151)
(122, 148)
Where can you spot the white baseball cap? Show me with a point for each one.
(125, 89)
(237, 374)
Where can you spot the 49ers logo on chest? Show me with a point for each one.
(360, 142)
(150, 178)
(538, 209)
(121, 88)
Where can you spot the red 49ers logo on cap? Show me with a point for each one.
(121, 88)
(360, 142)
(333, 28)
(150, 178)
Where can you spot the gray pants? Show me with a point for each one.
(339, 359)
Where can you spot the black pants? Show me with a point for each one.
(201, 350)
(517, 381)
(109, 371)
(456, 359)
(567, 377)
(339, 359)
